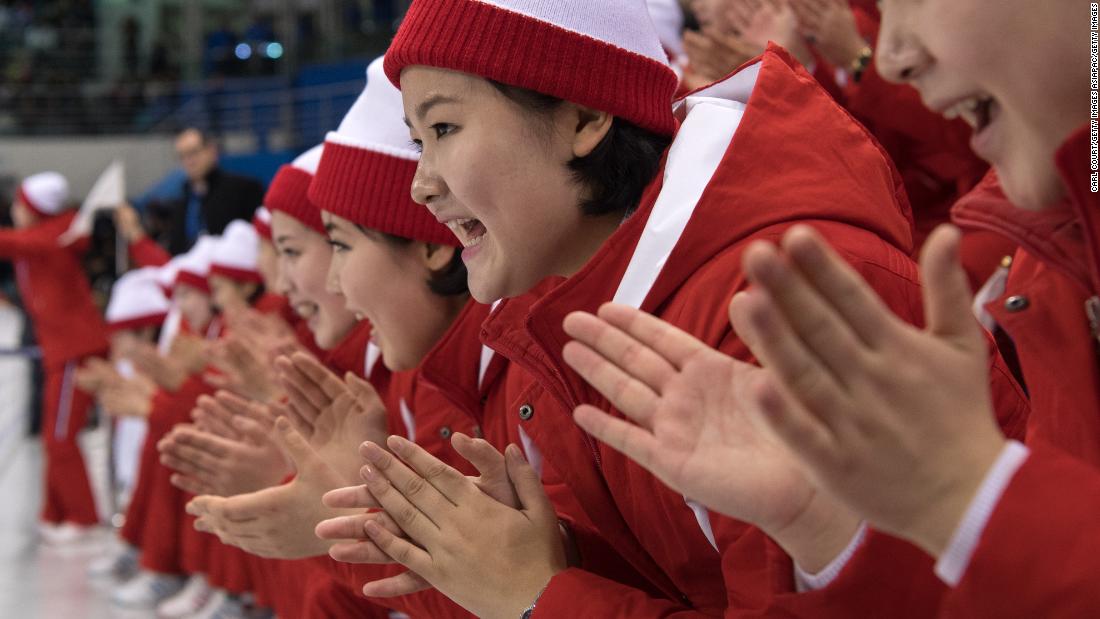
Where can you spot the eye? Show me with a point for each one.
(417, 145)
(290, 253)
(442, 129)
(338, 247)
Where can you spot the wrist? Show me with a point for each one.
(819, 534)
(933, 528)
(529, 611)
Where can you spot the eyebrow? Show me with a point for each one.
(283, 239)
(423, 107)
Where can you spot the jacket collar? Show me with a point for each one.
(448, 367)
(1073, 160)
(350, 354)
(1063, 236)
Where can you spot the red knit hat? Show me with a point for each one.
(261, 221)
(368, 165)
(597, 53)
(289, 191)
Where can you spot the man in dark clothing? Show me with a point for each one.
(211, 197)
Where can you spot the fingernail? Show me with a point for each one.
(368, 474)
(398, 444)
(514, 452)
(373, 452)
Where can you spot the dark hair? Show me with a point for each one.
(450, 281)
(618, 170)
(205, 137)
(257, 294)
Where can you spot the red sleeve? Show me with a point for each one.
(1040, 544)
(25, 242)
(576, 592)
(886, 577)
(147, 253)
(430, 603)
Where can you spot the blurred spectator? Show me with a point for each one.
(211, 197)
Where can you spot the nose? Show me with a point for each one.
(282, 279)
(427, 186)
(332, 277)
(900, 57)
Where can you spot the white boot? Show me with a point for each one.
(215, 606)
(146, 590)
(190, 599)
(120, 565)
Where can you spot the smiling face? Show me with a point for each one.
(194, 306)
(229, 295)
(303, 263)
(1016, 72)
(386, 283)
(498, 176)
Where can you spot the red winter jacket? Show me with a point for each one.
(147, 253)
(735, 173)
(1041, 541)
(55, 290)
(932, 154)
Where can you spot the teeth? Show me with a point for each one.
(971, 110)
(460, 229)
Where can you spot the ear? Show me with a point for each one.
(436, 257)
(592, 127)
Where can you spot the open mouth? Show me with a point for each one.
(470, 232)
(305, 309)
(979, 112)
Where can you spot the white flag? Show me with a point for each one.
(108, 192)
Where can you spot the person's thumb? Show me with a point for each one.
(947, 294)
(295, 447)
(364, 392)
(528, 485)
(490, 464)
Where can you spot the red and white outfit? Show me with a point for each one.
(138, 300)
(69, 328)
(156, 506)
(1032, 529)
(932, 154)
(739, 170)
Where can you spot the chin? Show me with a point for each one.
(325, 341)
(484, 292)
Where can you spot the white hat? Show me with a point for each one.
(668, 19)
(193, 267)
(368, 166)
(237, 253)
(46, 193)
(137, 300)
(309, 160)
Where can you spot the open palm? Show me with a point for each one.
(335, 415)
(691, 428)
